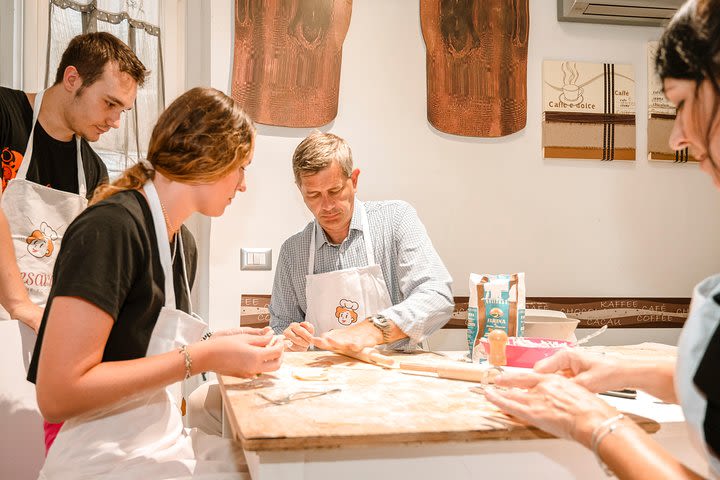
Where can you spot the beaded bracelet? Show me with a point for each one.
(188, 361)
(605, 428)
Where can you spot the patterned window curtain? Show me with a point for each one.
(134, 22)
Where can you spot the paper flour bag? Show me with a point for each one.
(496, 301)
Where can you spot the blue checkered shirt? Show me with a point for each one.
(418, 282)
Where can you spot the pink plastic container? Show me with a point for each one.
(527, 356)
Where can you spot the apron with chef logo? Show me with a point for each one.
(143, 436)
(342, 298)
(696, 334)
(38, 217)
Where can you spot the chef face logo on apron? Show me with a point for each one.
(40, 241)
(346, 313)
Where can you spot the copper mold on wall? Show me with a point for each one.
(287, 59)
(476, 65)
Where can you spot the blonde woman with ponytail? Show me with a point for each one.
(118, 334)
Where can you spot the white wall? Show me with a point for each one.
(11, 40)
(578, 228)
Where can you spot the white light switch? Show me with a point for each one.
(255, 259)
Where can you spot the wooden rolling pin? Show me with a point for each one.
(371, 355)
(469, 373)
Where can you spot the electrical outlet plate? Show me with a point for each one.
(256, 259)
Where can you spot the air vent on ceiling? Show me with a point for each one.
(622, 12)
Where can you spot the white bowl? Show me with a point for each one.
(553, 328)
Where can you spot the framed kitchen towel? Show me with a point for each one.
(588, 110)
(661, 116)
(287, 57)
(476, 61)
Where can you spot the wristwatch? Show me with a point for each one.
(383, 324)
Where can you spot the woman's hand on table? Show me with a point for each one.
(552, 403)
(655, 376)
(594, 372)
(299, 336)
(241, 354)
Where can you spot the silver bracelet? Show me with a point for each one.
(188, 361)
(598, 435)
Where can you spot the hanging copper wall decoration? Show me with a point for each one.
(589, 110)
(287, 59)
(476, 65)
(661, 117)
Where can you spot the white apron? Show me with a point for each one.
(699, 328)
(344, 297)
(143, 436)
(38, 217)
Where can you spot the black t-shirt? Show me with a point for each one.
(54, 163)
(109, 257)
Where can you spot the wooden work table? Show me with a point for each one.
(384, 420)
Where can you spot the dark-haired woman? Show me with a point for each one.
(688, 62)
(118, 332)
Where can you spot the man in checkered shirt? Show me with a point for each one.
(399, 298)
(336, 289)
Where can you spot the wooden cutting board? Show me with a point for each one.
(375, 406)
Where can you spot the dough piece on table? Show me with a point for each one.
(310, 374)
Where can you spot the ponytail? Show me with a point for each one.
(132, 178)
